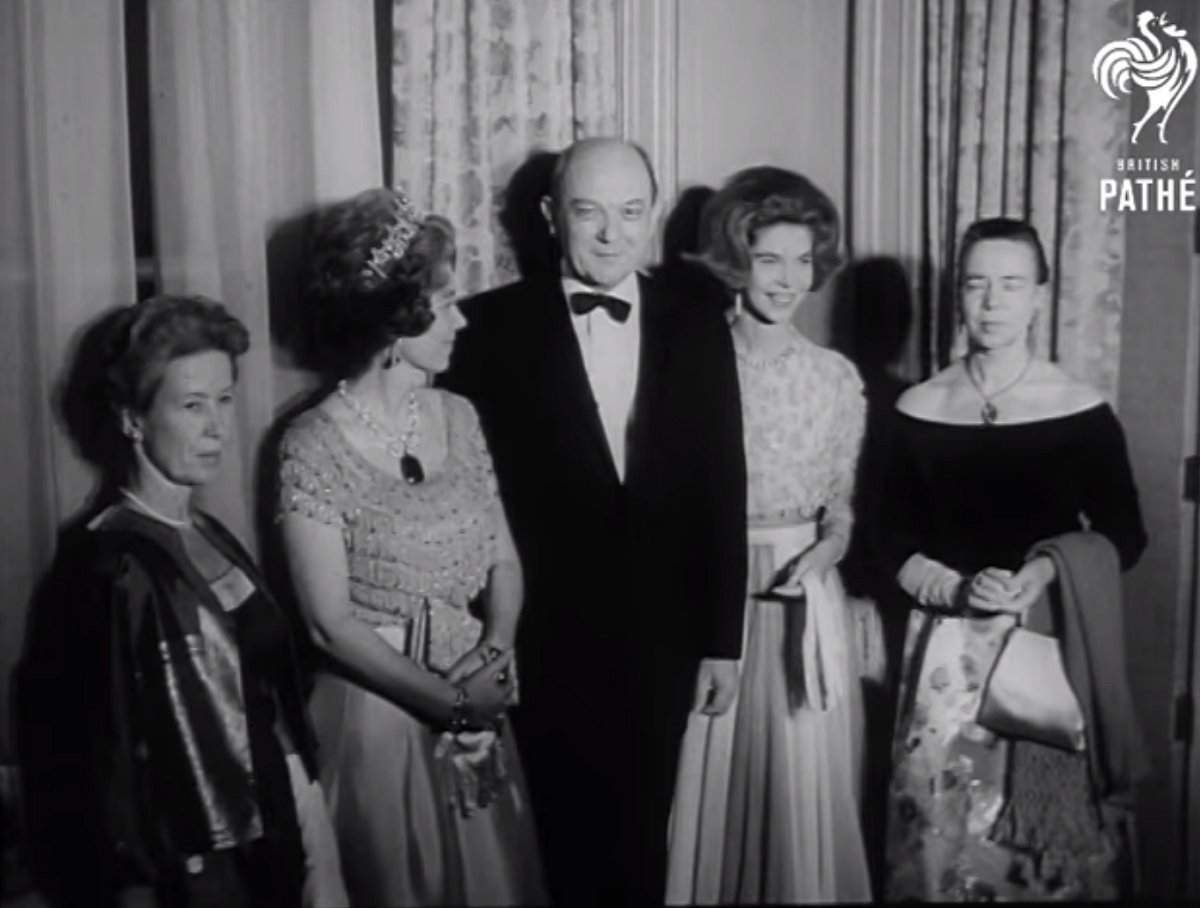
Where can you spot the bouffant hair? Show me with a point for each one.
(355, 311)
(754, 199)
(150, 334)
(1011, 229)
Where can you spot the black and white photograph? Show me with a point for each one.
(592, 452)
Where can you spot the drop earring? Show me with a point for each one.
(737, 304)
(390, 360)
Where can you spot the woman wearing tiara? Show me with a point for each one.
(407, 577)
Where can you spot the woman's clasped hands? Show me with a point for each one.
(999, 591)
(487, 675)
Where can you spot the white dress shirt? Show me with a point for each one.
(611, 353)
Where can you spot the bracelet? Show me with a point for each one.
(489, 652)
(460, 712)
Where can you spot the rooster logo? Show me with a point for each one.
(1161, 61)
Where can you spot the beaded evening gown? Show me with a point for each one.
(767, 801)
(423, 817)
(971, 497)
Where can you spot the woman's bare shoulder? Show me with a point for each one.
(928, 399)
(1063, 392)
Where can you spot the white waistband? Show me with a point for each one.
(795, 536)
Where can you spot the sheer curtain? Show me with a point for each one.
(884, 215)
(478, 85)
(1015, 125)
(66, 255)
(259, 112)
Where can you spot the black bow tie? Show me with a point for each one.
(583, 303)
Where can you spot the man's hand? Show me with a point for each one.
(716, 686)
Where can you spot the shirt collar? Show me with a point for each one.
(628, 290)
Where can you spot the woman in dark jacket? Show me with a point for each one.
(198, 766)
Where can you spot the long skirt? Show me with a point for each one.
(767, 800)
(405, 835)
(949, 782)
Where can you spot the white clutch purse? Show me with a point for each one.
(1029, 696)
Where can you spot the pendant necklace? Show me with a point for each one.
(399, 446)
(989, 412)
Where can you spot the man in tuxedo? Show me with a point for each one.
(610, 405)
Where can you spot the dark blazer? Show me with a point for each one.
(659, 559)
(628, 584)
(163, 765)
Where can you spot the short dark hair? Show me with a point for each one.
(356, 313)
(1012, 229)
(567, 155)
(754, 199)
(150, 334)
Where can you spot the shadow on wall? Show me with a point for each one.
(534, 248)
(53, 827)
(872, 315)
(294, 334)
(291, 325)
(681, 231)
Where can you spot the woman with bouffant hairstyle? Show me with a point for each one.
(406, 575)
(201, 761)
(758, 198)
(766, 803)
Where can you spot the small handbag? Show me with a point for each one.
(1028, 694)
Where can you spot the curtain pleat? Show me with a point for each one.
(1016, 126)
(66, 256)
(259, 112)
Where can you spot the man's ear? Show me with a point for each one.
(547, 206)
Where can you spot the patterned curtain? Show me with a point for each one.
(480, 84)
(1015, 125)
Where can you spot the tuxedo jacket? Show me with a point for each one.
(648, 573)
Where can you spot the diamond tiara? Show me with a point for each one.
(406, 223)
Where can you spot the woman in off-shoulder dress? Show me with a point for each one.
(766, 807)
(1000, 461)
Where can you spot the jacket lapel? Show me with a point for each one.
(564, 382)
(653, 356)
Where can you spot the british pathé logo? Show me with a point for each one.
(1161, 62)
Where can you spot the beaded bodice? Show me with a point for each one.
(406, 545)
(803, 414)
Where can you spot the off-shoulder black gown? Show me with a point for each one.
(971, 497)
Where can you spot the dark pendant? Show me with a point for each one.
(411, 470)
(989, 413)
